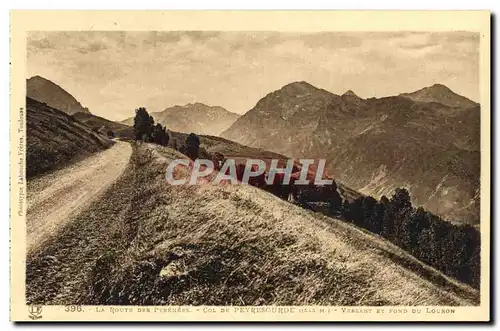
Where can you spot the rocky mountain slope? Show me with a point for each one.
(194, 117)
(45, 91)
(375, 145)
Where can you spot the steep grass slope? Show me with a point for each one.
(239, 245)
(148, 243)
(54, 138)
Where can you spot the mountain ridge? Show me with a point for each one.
(46, 91)
(441, 94)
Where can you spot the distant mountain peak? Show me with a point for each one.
(299, 83)
(195, 117)
(440, 86)
(195, 104)
(350, 93)
(38, 77)
(300, 86)
(44, 90)
(189, 105)
(441, 94)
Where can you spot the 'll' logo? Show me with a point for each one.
(35, 312)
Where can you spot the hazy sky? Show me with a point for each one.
(112, 73)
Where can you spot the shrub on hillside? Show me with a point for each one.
(218, 160)
(143, 125)
(173, 144)
(160, 135)
(192, 147)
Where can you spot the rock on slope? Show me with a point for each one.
(45, 91)
(375, 145)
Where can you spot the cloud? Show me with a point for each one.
(114, 72)
(91, 47)
(40, 44)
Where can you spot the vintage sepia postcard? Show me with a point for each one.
(250, 166)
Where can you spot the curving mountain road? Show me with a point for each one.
(54, 198)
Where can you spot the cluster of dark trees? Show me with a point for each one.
(304, 195)
(191, 147)
(452, 249)
(146, 130)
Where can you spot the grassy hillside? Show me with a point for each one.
(104, 125)
(55, 138)
(222, 245)
(226, 147)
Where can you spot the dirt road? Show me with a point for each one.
(53, 199)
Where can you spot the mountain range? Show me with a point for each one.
(427, 141)
(193, 117)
